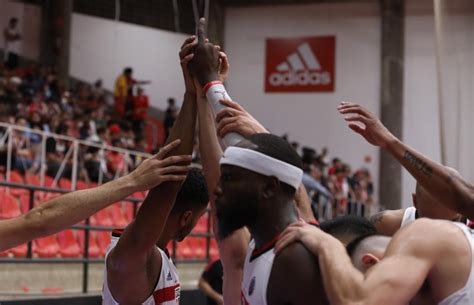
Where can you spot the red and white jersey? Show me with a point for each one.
(167, 291)
(257, 268)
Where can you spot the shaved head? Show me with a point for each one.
(366, 251)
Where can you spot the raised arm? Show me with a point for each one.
(440, 181)
(135, 252)
(67, 210)
(205, 68)
(407, 262)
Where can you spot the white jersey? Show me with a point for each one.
(167, 291)
(465, 295)
(257, 269)
(409, 216)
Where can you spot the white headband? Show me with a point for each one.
(260, 163)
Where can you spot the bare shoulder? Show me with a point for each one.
(430, 237)
(292, 269)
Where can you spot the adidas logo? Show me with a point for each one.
(169, 277)
(300, 68)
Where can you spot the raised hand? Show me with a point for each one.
(158, 169)
(223, 66)
(205, 64)
(311, 237)
(185, 56)
(373, 130)
(234, 118)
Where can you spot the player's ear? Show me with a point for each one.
(369, 260)
(186, 218)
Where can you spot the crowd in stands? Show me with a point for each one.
(33, 97)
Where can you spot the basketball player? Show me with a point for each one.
(424, 205)
(441, 182)
(67, 210)
(138, 268)
(426, 262)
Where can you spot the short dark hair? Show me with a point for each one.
(354, 245)
(193, 194)
(276, 147)
(13, 20)
(127, 70)
(349, 225)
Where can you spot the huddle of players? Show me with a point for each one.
(269, 255)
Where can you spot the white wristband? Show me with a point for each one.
(215, 91)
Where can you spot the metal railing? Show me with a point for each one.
(85, 260)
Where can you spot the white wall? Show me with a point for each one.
(29, 22)
(310, 119)
(101, 48)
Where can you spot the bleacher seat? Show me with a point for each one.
(25, 203)
(94, 251)
(128, 208)
(198, 247)
(46, 247)
(19, 251)
(9, 207)
(101, 218)
(201, 225)
(213, 250)
(183, 249)
(16, 177)
(103, 240)
(81, 185)
(68, 244)
(117, 216)
(65, 184)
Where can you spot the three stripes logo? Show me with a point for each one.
(300, 65)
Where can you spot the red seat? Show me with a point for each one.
(81, 185)
(68, 245)
(9, 207)
(65, 184)
(138, 195)
(46, 246)
(49, 182)
(128, 207)
(118, 218)
(103, 240)
(25, 203)
(19, 251)
(32, 179)
(94, 250)
(183, 249)
(101, 218)
(16, 177)
(201, 226)
(198, 247)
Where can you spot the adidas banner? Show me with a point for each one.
(305, 64)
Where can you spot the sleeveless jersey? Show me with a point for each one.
(167, 291)
(465, 295)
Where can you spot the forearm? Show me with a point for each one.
(63, 212)
(343, 283)
(208, 291)
(440, 181)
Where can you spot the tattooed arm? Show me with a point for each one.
(388, 222)
(440, 181)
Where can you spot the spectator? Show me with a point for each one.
(210, 283)
(140, 111)
(11, 36)
(123, 92)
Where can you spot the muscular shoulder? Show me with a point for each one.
(388, 222)
(292, 270)
(428, 237)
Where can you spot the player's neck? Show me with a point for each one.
(164, 240)
(272, 221)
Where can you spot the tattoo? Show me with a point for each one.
(377, 218)
(418, 163)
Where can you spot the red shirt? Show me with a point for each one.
(140, 107)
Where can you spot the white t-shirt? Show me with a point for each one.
(9, 46)
(167, 291)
